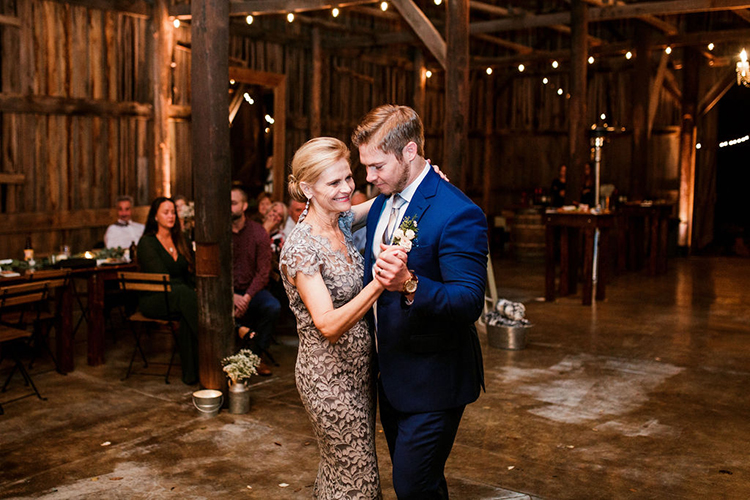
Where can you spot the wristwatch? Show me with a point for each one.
(410, 285)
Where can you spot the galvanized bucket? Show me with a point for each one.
(208, 402)
(507, 337)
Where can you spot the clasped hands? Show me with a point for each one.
(240, 304)
(391, 268)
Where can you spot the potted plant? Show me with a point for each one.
(239, 368)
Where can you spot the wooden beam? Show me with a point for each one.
(257, 7)
(649, 19)
(578, 127)
(521, 49)
(653, 102)
(212, 180)
(743, 13)
(610, 13)
(161, 43)
(456, 125)
(316, 84)
(716, 92)
(50, 105)
(257, 77)
(137, 8)
(10, 21)
(641, 93)
(420, 81)
(691, 75)
(423, 28)
(6, 178)
(63, 220)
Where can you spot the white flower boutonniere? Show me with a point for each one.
(405, 234)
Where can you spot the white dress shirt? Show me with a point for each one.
(122, 234)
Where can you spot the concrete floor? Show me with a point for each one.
(642, 396)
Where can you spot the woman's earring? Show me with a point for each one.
(304, 212)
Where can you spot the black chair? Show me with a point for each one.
(20, 307)
(50, 316)
(154, 283)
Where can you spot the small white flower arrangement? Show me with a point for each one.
(241, 366)
(405, 234)
(507, 313)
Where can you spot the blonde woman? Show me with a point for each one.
(322, 273)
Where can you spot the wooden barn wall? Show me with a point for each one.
(81, 146)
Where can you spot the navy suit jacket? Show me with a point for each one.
(428, 353)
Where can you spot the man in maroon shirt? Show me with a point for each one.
(254, 306)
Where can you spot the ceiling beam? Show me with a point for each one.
(717, 91)
(255, 7)
(743, 13)
(610, 13)
(654, 21)
(139, 8)
(520, 48)
(423, 28)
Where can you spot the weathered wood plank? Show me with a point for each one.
(424, 29)
(57, 220)
(51, 105)
(137, 8)
(456, 138)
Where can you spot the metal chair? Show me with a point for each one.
(20, 306)
(154, 283)
(50, 316)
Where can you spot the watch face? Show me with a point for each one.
(410, 286)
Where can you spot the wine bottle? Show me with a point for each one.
(28, 250)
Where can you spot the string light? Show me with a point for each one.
(249, 99)
(231, 81)
(383, 6)
(335, 12)
(668, 50)
(591, 59)
(176, 23)
(698, 146)
(489, 71)
(555, 64)
(269, 119)
(560, 91)
(711, 46)
(603, 116)
(521, 67)
(428, 73)
(290, 17)
(438, 2)
(545, 80)
(249, 19)
(628, 55)
(734, 142)
(267, 130)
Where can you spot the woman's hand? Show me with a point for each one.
(391, 269)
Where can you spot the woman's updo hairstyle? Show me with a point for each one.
(311, 160)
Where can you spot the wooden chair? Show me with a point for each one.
(50, 316)
(155, 283)
(20, 305)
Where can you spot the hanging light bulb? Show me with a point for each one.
(269, 119)
(438, 2)
(335, 12)
(489, 71)
(249, 19)
(383, 6)
(711, 46)
(428, 73)
(628, 55)
(743, 70)
(231, 81)
(521, 67)
(555, 64)
(591, 59)
(603, 116)
(176, 23)
(545, 80)
(668, 50)
(290, 17)
(559, 91)
(249, 99)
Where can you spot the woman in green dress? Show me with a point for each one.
(162, 249)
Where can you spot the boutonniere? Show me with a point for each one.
(404, 235)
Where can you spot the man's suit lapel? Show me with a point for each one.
(423, 196)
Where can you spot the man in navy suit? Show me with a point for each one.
(428, 351)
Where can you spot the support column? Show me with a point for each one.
(317, 85)
(487, 163)
(456, 134)
(690, 82)
(641, 96)
(578, 127)
(161, 183)
(212, 181)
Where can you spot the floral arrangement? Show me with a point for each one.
(405, 234)
(241, 366)
(507, 313)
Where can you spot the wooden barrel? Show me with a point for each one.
(527, 233)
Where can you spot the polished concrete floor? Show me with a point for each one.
(644, 395)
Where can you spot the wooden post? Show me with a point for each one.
(641, 95)
(420, 80)
(161, 184)
(487, 163)
(212, 181)
(317, 85)
(456, 134)
(690, 84)
(578, 128)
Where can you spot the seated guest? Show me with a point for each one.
(163, 250)
(295, 209)
(263, 204)
(124, 232)
(558, 187)
(254, 306)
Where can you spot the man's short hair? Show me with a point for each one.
(390, 128)
(124, 197)
(242, 192)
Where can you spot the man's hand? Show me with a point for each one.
(391, 269)
(240, 305)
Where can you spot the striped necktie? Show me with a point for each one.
(398, 202)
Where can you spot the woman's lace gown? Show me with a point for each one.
(335, 381)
